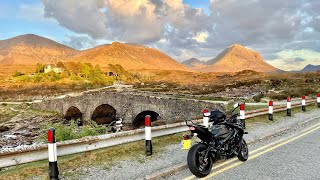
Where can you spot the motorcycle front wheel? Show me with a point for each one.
(198, 165)
(243, 151)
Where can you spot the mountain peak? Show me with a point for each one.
(237, 46)
(129, 56)
(191, 60)
(193, 63)
(116, 43)
(30, 49)
(311, 68)
(238, 58)
(31, 40)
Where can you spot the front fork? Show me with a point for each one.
(240, 141)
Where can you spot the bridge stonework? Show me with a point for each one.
(129, 105)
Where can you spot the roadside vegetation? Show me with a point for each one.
(70, 165)
(8, 111)
(73, 77)
(74, 72)
(72, 131)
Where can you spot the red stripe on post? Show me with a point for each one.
(289, 99)
(205, 111)
(303, 97)
(241, 106)
(318, 95)
(270, 103)
(50, 136)
(147, 120)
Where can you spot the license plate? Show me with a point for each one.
(186, 144)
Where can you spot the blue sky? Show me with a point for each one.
(25, 17)
(286, 33)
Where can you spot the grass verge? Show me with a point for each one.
(69, 166)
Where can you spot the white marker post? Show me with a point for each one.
(206, 117)
(318, 100)
(148, 135)
(242, 116)
(119, 125)
(288, 106)
(271, 110)
(303, 103)
(52, 152)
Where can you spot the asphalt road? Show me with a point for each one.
(294, 156)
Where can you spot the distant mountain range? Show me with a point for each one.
(31, 49)
(311, 68)
(233, 59)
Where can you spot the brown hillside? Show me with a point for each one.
(238, 58)
(32, 49)
(131, 57)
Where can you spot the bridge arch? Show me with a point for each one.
(104, 114)
(74, 113)
(138, 121)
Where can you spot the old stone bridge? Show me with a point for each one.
(104, 107)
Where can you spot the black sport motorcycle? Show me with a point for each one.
(224, 139)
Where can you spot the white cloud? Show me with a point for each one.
(201, 37)
(132, 8)
(139, 21)
(181, 30)
(175, 4)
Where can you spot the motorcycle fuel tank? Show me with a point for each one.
(221, 131)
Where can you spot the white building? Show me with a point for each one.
(53, 67)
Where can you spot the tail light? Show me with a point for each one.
(192, 128)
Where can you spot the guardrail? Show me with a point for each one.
(265, 111)
(40, 152)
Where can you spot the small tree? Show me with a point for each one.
(17, 74)
(39, 68)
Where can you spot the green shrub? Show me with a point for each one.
(17, 74)
(64, 132)
(39, 68)
(257, 98)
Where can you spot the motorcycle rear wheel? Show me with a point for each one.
(196, 162)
